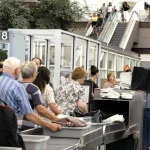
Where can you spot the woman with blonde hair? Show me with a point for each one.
(111, 83)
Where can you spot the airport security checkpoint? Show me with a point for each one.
(117, 118)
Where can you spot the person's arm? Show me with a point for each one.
(82, 106)
(49, 98)
(81, 103)
(105, 85)
(45, 112)
(34, 118)
(54, 108)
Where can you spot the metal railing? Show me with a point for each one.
(110, 27)
(88, 29)
(134, 17)
(143, 14)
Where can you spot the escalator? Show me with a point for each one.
(117, 34)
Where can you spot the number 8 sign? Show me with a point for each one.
(4, 35)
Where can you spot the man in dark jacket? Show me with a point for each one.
(1, 68)
(99, 25)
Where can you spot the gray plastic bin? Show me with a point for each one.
(35, 142)
(68, 132)
(10, 148)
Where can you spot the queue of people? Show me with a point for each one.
(33, 99)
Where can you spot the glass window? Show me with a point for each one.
(126, 61)
(52, 55)
(138, 63)
(80, 52)
(3, 55)
(119, 65)
(27, 47)
(66, 53)
(103, 74)
(111, 62)
(39, 50)
(132, 64)
(93, 53)
(103, 63)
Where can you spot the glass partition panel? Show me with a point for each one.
(3, 54)
(119, 65)
(80, 52)
(51, 61)
(27, 49)
(138, 64)
(132, 63)
(93, 53)
(111, 62)
(103, 74)
(66, 57)
(3, 51)
(126, 61)
(39, 50)
(103, 64)
(66, 51)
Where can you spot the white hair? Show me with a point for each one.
(10, 64)
(28, 69)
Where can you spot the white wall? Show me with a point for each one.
(145, 57)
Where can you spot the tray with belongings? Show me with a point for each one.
(72, 127)
(116, 94)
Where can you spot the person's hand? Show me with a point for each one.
(116, 82)
(54, 127)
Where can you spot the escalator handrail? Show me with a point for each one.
(128, 29)
(107, 25)
(87, 27)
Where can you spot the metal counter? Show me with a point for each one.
(88, 141)
(115, 136)
(132, 110)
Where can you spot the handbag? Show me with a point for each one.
(96, 115)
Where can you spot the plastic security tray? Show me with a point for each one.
(10, 148)
(35, 142)
(68, 132)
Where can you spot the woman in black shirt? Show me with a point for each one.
(94, 76)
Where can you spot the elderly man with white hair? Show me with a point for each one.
(14, 94)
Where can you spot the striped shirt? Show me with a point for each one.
(35, 99)
(14, 94)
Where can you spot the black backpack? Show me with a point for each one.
(9, 134)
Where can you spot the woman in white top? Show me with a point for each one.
(42, 81)
(109, 9)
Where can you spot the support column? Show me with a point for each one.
(17, 45)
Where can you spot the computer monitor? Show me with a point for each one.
(125, 79)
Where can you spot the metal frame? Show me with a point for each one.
(55, 37)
